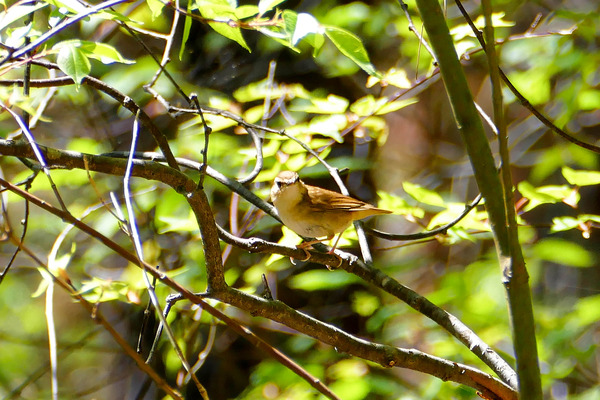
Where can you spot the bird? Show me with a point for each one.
(314, 212)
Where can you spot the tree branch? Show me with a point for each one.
(218, 287)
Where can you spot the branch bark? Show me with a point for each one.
(385, 355)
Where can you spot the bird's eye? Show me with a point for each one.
(279, 184)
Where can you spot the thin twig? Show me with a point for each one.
(522, 99)
(58, 28)
(442, 230)
(168, 45)
(25, 223)
(413, 29)
(36, 150)
(137, 243)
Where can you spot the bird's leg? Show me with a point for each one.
(336, 243)
(336, 256)
(304, 246)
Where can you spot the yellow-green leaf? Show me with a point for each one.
(73, 62)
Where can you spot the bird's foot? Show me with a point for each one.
(293, 260)
(339, 264)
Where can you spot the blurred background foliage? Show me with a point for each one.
(406, 156)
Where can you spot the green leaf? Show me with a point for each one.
(305, 24)
(44, 283)
(187, 26)
(395, 77)
(563, 252)
(391, 106)
(320, 279)
(423, 195)
(587, 310)
(545, 194)
(267, 5)
(290, 19)
(582, 221)
(329, 125)
(156, 8)
(331, 105)
(73, 62)
(246, 11)
(177, 224)
(222, 11)
(581, 178)
(73, 6)
(535, 83)
(367, 105)
(589, 99)
(398, 205)
(476, 220)
(351, 46)
(17, 12)
(560, 224)
(102, 52)
(98, 290)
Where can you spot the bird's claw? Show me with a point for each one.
(339, 264)
(293, 260)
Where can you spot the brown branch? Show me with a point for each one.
(274, 310)
(199, 203)
(379, 279)
(384, 355)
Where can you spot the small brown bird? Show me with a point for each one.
(316, 212)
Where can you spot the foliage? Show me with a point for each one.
(345, 85)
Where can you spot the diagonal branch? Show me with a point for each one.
(388, 356)
(199, 203)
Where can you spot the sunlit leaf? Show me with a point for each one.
(224, 13)
(73, 6)
(177, 224)
(98, 290)
(289, 238)
(17, 12)
(398, 205)
(156, 8)
(329, 125)
(394, 77)
(545, 194)
(331, 105)
(73, 62)
(187, 25)
(367, 105)
(323, 279)
(305, 24)
(423, 195)
(564, 223)
(351, 46)
(364, 303)
(246, 11)
(102, 52)
(268, 5)
(587, 310)
(535, 83)
(581, 178)
(391, 106)
(563, 252)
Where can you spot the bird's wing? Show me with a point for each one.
(334, 200)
